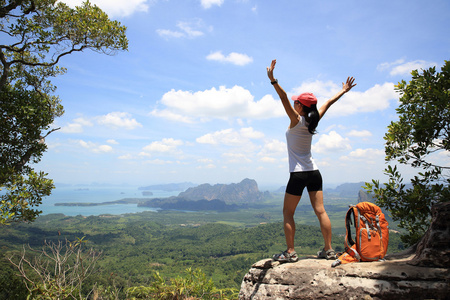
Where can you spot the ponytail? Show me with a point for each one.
(312, 118)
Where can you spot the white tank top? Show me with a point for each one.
(299, 147)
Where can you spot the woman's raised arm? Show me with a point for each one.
(290, 111)
(347, 86)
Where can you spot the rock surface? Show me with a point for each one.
(311, 278)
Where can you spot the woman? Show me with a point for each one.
(304, 118)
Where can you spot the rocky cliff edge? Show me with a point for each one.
(311, 278)
(422, 272)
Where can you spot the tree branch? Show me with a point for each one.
(6, 67)
(48, 64)
(11, 6)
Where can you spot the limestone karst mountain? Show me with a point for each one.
(219, 197)
(245, 191)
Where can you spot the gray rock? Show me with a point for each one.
(311, 278)
(421, 272)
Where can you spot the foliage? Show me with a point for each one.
(110, 292)
(58, 271)
(421, 133)
(193, 285)
(37, 34)
(136, 246)
(11, 285)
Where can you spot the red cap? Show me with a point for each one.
(306, 99)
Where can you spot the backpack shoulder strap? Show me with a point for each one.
(348, 224)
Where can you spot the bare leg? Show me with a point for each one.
(325, 224)
(290, 204)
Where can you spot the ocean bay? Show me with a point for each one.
(97, 194)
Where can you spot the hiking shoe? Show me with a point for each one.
(286, 257)
(329, 254)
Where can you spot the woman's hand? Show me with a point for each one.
(347, 86)
(270, 70)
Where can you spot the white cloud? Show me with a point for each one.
(273, 148)
(95, 147)
(365, 153)
(191, 30)
(103, 149)
(236, 158)
(360, 133)
(116, 8)
(144, 154)
(250, 133)
(166, 145)
(230, 137)
(369, 156)
(237, 102)
(83, 121)
(76, 126)
(118, 120)
(223, 103)
(400, 67)
(72, 128)
(238, 59)
(170, 33)
(112, 142)
(209, 3)
(54, 146)
(375, 98)
(173, 116)
(226, 137)
(159, 162)
(388, 65)
(205, 160)
(332, 142)
(267, 159)
(208, 166)
(86, 145)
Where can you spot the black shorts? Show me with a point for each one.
(298, 180)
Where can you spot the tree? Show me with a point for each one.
(37, 34)
(58, 271)
(421, 134)
(194, 285)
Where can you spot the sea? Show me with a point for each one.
(97, 194)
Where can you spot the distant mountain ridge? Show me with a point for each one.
(343, 190)
(347, 189)
(245, 191)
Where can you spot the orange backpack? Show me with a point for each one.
(372, 234)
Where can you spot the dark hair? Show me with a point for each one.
(312, 118)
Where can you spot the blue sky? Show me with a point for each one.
(190, 100)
